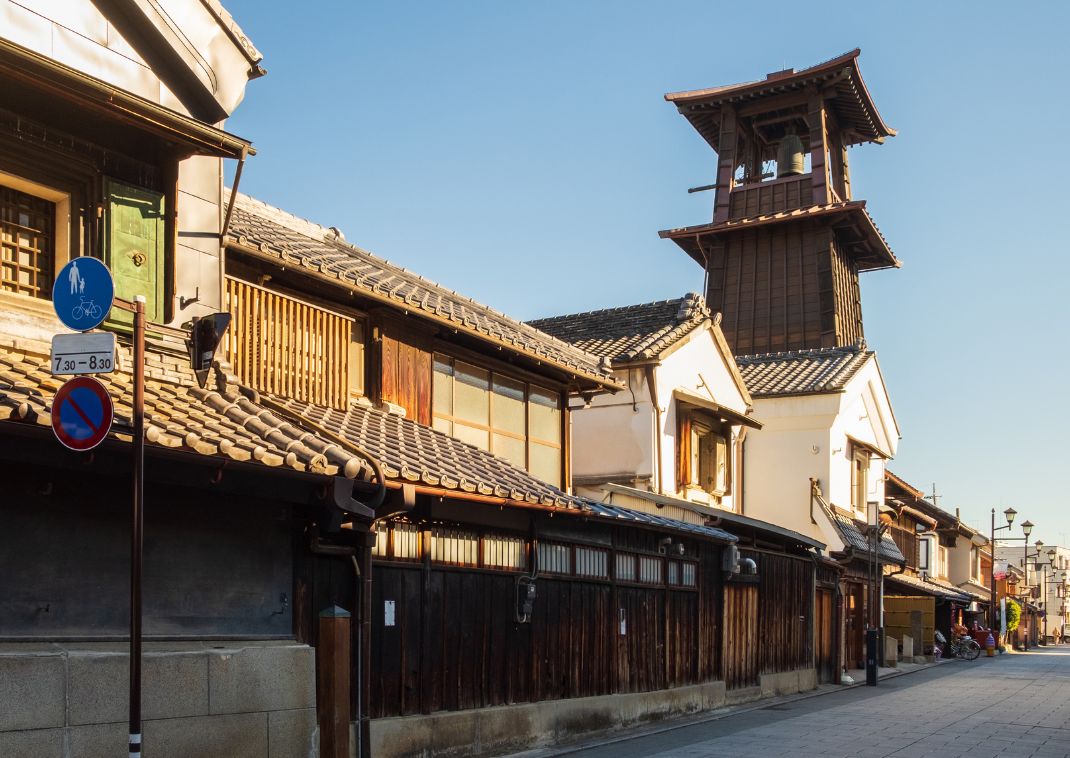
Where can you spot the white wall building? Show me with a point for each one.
(678, 429)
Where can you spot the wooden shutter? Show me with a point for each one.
(683, 450)
(134, 247)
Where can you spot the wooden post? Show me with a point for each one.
(726, 164)
(332, 682)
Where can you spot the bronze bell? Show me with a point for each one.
(790, 160)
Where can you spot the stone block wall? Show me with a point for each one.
(69, 700)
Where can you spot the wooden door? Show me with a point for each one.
(854, 626)
(825, 636)
(740, 641)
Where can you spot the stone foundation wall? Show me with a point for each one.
(510, 728)
(234, 699)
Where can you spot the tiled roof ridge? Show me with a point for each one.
(690, 310)
(804, 353)
(326, 235)
(771, 78)
(685, 301)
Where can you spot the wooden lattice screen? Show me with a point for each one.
(283, 346)
(27, 228)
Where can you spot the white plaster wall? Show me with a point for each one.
(75, 33)
(780, 459)
(866, 416)
(612, 436)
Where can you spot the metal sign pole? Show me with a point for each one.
(136, 533)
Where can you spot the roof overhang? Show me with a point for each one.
(718, 517)
(852, 224)
(96, 96)
(839, 81)
(870, 447)
(725, 414)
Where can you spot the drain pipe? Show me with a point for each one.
(653, 389)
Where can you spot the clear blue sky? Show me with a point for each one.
(522, 154)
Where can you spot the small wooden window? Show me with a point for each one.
(27, 243)
(592, 562)
(625, 565)
(555, 558)
(406, 539)
(859, 478)
(504, 552)
(650, 569)
(457, 547)
(702, 453)
(674, 573)
(690, 574)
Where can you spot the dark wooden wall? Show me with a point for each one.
(740, 644)
(455, 643)
(788, 288)
(784, 615)
(825, 635)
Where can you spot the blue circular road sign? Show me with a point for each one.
(82, 413)
(83, 293)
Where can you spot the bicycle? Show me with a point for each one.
(85, 309)
(965, 647)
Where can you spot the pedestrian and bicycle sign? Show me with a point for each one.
(83, 353)
(83, 293)
(82, 413)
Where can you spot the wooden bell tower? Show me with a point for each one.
(787, 242)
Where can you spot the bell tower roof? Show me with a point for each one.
(839, 80)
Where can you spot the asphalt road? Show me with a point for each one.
(1011, 706)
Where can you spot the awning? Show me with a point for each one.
(930, 587)
(92, 94)
(725, 414)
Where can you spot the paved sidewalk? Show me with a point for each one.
(1008, 707)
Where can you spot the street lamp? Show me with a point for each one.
(1027, 529)
(1041, 583)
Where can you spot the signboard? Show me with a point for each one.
(82, 413)
(999, 570)
(83, 353)
(83, 293)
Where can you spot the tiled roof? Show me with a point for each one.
(864, 239)
(854, 535)
(264, 230)
(616, 512)
(934, 587)
(412, 452)
(840, 77)
(630, 333)
(801, 372)
(225, 423)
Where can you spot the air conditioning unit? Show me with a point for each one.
(730, 560)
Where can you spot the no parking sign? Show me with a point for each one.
(82, 413)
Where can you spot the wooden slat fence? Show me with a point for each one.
(280, 345)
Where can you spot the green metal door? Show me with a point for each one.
(134, 247)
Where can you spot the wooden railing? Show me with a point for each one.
(283, 346)
(773, 196)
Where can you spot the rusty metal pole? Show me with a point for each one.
(137, 531)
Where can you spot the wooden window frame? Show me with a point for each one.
(527, 438)
(687, 480)
(60, 233)
(860, 489)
